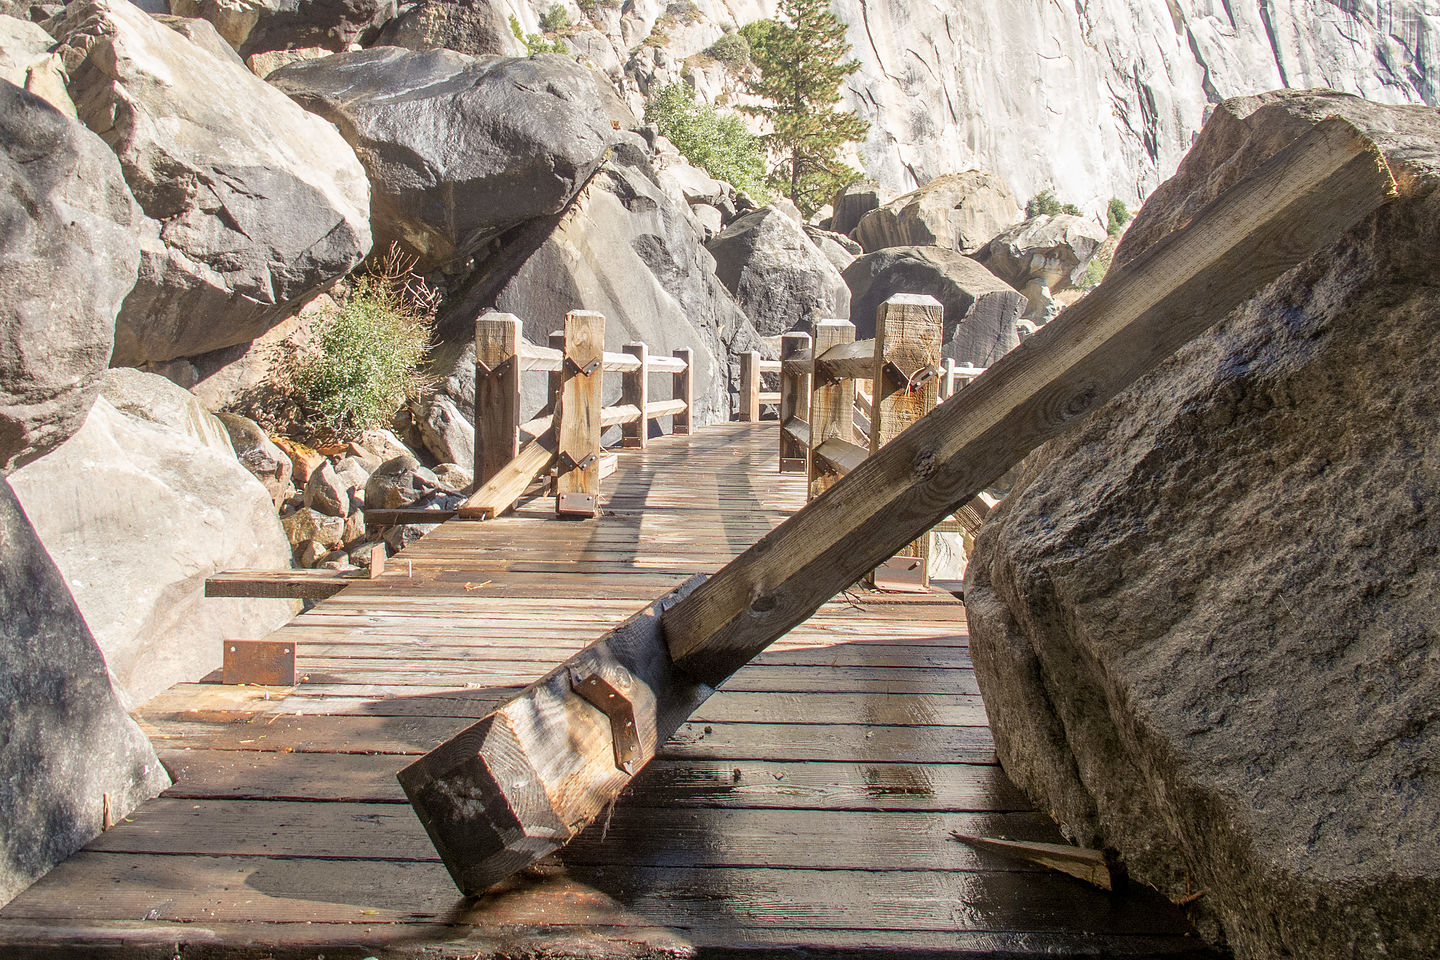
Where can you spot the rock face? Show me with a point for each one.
(477, 28)
(458, 149)
(777, 275)
(1044, 255)
(137, 509)
(26, 61)
(69, 258)
(1203, 622)
(68, 741)
(627, 250)
(981, 310)
(254, 26)
(258, 204)
(957, 211)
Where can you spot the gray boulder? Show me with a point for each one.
(68, 741)
(137, 513)
(1203, 621)
(839, 249)
(69, 258)
(854, 201)
(957, 211)
(327, 493)
(143, 397)
(26, 60)
(203, 34)
(252, 26)
(1043, 256)
(624, 249)
(458, 149)
(308, 525)
(259, 454)
(475, 27)
(449, 433)
(981, 310)
(777, 276)
(257, 203)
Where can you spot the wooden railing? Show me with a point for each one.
(565, 438)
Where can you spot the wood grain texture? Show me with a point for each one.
(794, 403)
(749, 387)
(577, 434)
(635, 391)
(831, 403)
(499, 493)
(1299, 201)
(683, 386)
(497, 393)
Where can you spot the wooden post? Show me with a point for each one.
(794, 403)
(684, 389)
(750, 387)
(832, 403)
(497, 393)
(555, 377)
(577, 487)
(947, 387)
(635, 389)
(525, 779)
(908, 334)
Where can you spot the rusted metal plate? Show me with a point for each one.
(268, 663)
(597, 691)
(574, 504)
(902, 575)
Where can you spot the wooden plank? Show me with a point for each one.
(684, 389)
(1093, 866)
(578, 432)
(840, 456)
(281, 584)
(635, 391)
(909, 330)
(501, 491)
(546, 359)
(853, 360)
(831, 401)
(750, 387)
(664, 408)
(497, 393)
(667, 364)
(794, 404)
(1300, 200)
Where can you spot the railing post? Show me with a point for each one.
(555, 377)
(947, 387)
(908, 336)
(577, 485)
(750, 387)
(832, 403)
(497, 393)
(684, 389)
(635, 389)
(794, 403)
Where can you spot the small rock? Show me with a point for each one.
(383, 445)
(309, 553)
(401, 536)
(304, 459)
(454, 477)
(448, 434)
(307, 524)
(363, 555)
(259, 454)
(354, 528)
(354, 473)
(326, 492)
(398, 482)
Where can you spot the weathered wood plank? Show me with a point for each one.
(579, 426)
(831, 400)
(500, 492)
(794, 404)
(497, 393)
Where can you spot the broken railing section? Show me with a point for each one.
(510, 455)
(524, 780)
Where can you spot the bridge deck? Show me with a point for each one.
(805, 808)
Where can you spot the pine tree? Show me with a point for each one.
(801, 60)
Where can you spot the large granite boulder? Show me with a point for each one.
(27, 60)
(476, 27)
(1204, 621)
(627, 250)
(458, 149)
(256, 26)
(67, 261)
(137, 509)
(778, 276)
(1043, 256)
(981, 310)
(957, 211)
(68, 743)
(258, 204)
(853, 201)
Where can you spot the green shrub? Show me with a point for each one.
(733, 50)
(554, 19)
(716, 142)
(534, 43)
(366, 352)
(683, 11)
(1095, 270)
(1044, 204)
(1116, 216)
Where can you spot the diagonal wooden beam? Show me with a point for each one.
(524, 780)
(500, 492)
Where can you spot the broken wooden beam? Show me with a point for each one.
(528, 777)
(502, 490)
(1093, 866)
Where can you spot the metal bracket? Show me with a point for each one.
(910, 382)
(902, 575)
(575, 504)
(586, 370)
(570, 463)
(597, 691)
(266, 663)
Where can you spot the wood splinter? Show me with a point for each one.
(1095, 867)
(526, 779)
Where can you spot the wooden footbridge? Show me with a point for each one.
(790, 754)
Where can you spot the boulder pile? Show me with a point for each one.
(1204, 621)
